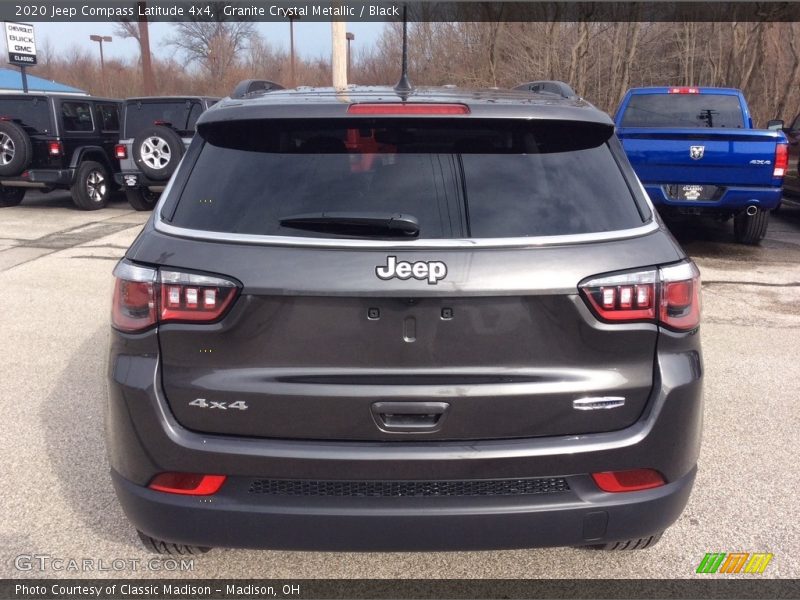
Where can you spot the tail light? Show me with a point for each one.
(144, 297)
(121, 151)
(55, 148)
(781, 160)
(633, 480)
(192, 297)
(684, 90)
(188, 484)
(669, 296)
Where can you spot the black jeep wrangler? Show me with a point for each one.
(156, 132)
(58, 141)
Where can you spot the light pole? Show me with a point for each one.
(292, 81)
(100, 39)
(350, 37)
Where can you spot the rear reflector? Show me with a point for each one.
(188, 484)
(628, 481)
(121, 151)
(684, 90)
(669, 296)
(403, 108)
(781, 160)
(143, 297)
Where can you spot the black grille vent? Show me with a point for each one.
(391, 489)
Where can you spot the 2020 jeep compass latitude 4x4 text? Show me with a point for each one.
(427, 320)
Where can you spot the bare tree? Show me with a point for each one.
(215, 46)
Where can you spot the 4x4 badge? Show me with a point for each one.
(432, 271)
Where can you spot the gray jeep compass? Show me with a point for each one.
(419, 320)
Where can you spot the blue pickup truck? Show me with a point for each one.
(696, 152)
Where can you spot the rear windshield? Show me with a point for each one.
(683, 110)
(470, 179)
(180, 114)
(32, 113)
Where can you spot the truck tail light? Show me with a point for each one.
(55, 149)
(633, 480)
(187, 484)
(121, 151)
(669, 296)
(684, 90)
(144, 297)
(781, 160)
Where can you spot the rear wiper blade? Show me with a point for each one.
(356, 223)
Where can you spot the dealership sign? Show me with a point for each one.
(21, 44)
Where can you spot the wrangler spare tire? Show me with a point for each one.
(157, 151)
(16, 150)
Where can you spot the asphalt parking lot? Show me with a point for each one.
(56, 495)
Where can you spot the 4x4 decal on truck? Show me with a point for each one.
(432, 271)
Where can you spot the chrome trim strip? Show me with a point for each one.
(518, 242)
(598, 403)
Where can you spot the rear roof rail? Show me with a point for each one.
(549, 87)
(253, 87)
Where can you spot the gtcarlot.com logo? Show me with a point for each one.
(46, 562)
(734, 562)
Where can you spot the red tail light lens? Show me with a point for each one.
(188, 484)
(781, 160)
(121, 151)
(669, 296)
(134, 306)
(192, 297)
(684, 90)
(628, 481)
(144, 297)
(55, 148)
(624, 297)
(400, 108)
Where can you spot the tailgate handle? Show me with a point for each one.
(409, 417)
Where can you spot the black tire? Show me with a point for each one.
(626, 545)
(92, 187)
(142, 199)
(161, 547)
(750, 229)
(157, 151)
(11, 196)
(16, 150)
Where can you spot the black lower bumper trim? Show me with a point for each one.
(235, 518)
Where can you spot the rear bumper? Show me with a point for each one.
(733, 199)
(235, 517)
(43, 178)
(133, 180)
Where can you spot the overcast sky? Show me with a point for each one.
(311, 40)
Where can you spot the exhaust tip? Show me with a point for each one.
(751, 210)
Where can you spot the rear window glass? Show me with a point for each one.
(180, 114)
(470, 179)
(109, 117)
(33, 113)
(683, 110)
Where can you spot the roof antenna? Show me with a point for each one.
(404, 85)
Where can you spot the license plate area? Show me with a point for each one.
(689, 192)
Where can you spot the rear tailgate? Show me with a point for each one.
(313, 344)
(724, 157)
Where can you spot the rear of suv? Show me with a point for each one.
(428, 320)
(155, 134)
(58, 141)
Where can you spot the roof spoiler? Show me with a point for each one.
(251, 87)
(558, 88)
